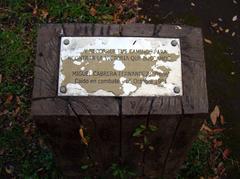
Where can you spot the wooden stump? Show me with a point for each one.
(168, 124)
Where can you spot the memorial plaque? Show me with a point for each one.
(120, 66)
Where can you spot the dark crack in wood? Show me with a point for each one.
(81, 125)
(120, 131)
(147, 126)
(180, 118)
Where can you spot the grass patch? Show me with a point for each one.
(197, 160)
(23, 156)
(22, 152)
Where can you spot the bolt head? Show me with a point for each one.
(63, 89)
(174, 43)
(66, 42)
(176, 89)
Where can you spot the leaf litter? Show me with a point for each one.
(219, 154)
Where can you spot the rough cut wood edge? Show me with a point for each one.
(194, 99)
(165, 105)
(49, 107)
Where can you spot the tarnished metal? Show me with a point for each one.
(63, 89)
(174, 43)
(66, 41)
(176, 90)
(120, 66)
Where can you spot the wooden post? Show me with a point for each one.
(108, 123)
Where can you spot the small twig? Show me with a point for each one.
(168, 14)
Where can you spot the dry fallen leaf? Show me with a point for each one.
(132, 20)
(151, 148)
(226, 153)
(9, 169)
(107, 17)
(214, 24)
(35, 11)
(226, 30)
(214, 115)
(222, 119)
(93, 11)
(18, 100)
(234, 18)
(220, 166)
(207, 41)
(9, 99)
(44, 13)
(15, 113)
(84, 140)
(205, 128)
(27, 129)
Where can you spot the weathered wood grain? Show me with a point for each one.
(132, 151)
(136, 105)
(100, 106)
(159, 143)
(137, 30)
(106, 30)
(64, 139)
(106, 148)
(77, 29)
(167, 105)
(185, 134)
(46, 63)
(49, 107)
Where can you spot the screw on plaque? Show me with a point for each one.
(176, 90)
(174, 43)
(63, 89)
(66, 42)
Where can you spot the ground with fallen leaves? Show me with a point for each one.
(210, 157)
(22, 150)
(23, 153)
